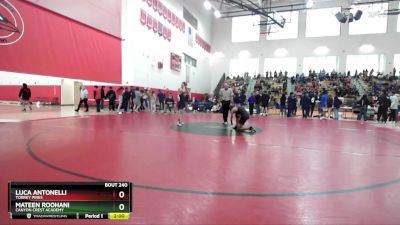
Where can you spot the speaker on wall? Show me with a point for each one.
(351, 17)
(358, 15)
(341, 17)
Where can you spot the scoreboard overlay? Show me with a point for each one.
(70, 200)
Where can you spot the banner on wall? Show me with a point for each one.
(37, 41)
(176, 62)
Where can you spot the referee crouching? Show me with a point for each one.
(226, 97)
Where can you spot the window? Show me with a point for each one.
(396, 64)
(288, 64)
(363, 62)
(245, 28)
(327, 63)
(242, 66)
(398, 21)
(371, 22)
(190, 60)
(290, 30)
(322, 22)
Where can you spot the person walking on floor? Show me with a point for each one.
(364, 103)
(83, 99)
(305, 103)
(111, 96)
(103, 96)
(226, 98)
(337, 103)
(384, 104)
(323, 104)
(161, 99)
(25, 96)
(394, 108)
(97, 97)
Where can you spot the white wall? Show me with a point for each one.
(341, 46)
(142, 49)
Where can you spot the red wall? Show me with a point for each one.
(58, 46)
(10, 93)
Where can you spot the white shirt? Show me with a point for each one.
(394, 102)
(84, 93)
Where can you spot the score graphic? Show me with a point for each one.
(70, 200)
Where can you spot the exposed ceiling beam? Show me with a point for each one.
(255, 10)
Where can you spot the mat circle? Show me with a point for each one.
(211, 129)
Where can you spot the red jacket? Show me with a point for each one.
(97, 93)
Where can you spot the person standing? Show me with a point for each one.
(337, 103)
(153, 101)
(120, 92)
(258, 102)
(323, 104)
(183, 99)
(305, 103)
(394, 108)
(131, 99)
(252, 101)
(364, 103)
(136, 100)
(97, 97)
(282, 105)
(24, 96)
(103, 96)
(291, 105)
(161, 99)
(83, 99)
(111, 96)
(264, 103)
(312, 106)
(330, 105)
(384, 104)
(226, 98)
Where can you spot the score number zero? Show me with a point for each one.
(121, 194)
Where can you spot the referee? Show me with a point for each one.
(226, 97)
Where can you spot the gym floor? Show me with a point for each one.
(292, 171)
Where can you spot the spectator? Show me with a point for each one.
(291, 104)
(394, 108)
(97, 97)
(169, 101)
(337, 103)
(283, 105)
(364, 103)
(161, 99)
(103, 96)
(323, 104)
(305, 103)
(111, 96)
(252, 101)
(384, 104)
(264, 103)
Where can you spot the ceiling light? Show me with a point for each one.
(280, 52)
(244, 54)
(321, 50)
(217, 14)
(366, 48)
(207, 5)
